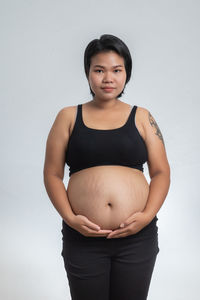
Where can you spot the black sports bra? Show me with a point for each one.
(89, 147)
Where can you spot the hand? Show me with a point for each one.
(132, 225)
(86, 227)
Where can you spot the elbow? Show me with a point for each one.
(49, 174)
(45, 177)
(46, 173)
(166, 172)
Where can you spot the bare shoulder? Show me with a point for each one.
(149, 123)
(61, 126)
(142, 113)
(69, 114)
(140, 117)
(57, 142)
(65, 115)
(67, 111)
(157, 156)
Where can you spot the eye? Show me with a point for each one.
(97, 70)
(118, 70)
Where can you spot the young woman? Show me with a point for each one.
(109, 230)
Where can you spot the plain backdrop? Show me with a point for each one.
(41, 71)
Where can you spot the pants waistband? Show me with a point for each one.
(69, 232)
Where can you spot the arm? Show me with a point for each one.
(53, 177)
(159, 169)
(53, 171)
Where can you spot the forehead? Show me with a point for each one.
(110, 58)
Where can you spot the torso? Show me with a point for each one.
(107, 195)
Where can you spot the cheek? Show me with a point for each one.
(92, 76)
(121, 81)
(95, 80)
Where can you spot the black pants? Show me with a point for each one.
(110, 269)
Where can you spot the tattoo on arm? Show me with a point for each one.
(154, 124)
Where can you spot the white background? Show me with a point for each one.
(41, 58)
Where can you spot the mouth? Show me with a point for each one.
(108, 89)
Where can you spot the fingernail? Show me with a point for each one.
(121, 225)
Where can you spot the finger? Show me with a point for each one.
(118, 231)
(100, 232)
(130, 220)
(123, 234)
(104, 231)
(92, 225)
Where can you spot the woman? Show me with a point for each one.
(109, 231)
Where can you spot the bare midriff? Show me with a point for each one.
(108, 194)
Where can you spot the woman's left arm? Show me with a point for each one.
(159, 169)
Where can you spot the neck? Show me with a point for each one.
(105, 104)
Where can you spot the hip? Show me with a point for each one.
(70, 234)
(142, 245)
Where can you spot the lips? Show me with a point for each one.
(108, 88)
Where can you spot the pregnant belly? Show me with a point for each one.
(107, 195)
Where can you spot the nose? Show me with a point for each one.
(107, 77)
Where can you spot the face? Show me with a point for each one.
(107, 70)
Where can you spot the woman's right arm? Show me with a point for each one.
(53, 172)
(56, 147)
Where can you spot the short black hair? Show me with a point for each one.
(106, 43)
